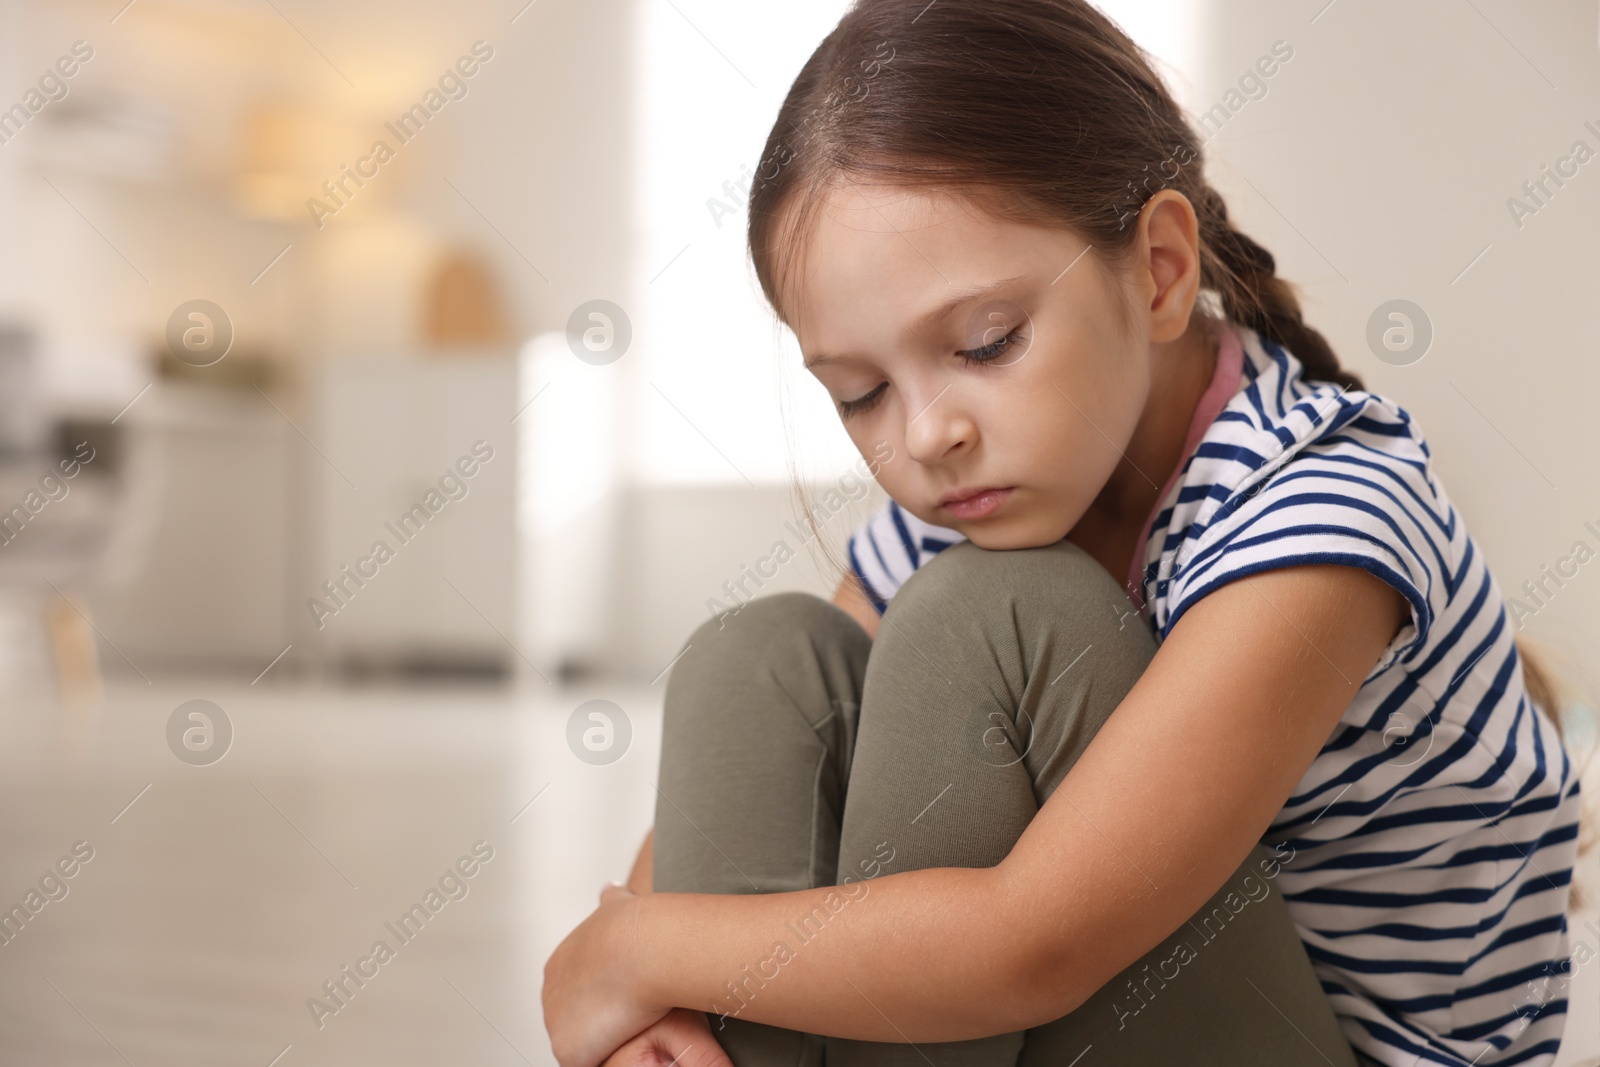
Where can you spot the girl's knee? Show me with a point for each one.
(1059, 584)
(789, 643)
(755, 691)
(993, 669)
(776, 617)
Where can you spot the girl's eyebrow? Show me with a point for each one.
(926, 321)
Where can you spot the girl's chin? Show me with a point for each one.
(1013, 531)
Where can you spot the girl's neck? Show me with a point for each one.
(1181, 372)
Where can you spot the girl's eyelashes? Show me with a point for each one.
(987, 354)
(994, 350)
(862, 404)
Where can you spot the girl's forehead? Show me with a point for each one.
(856, 233)
(857, 242)
(876, 206)
(871, 209)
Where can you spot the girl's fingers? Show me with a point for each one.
(681, 1039)
(686, 1037)
(642, 1051)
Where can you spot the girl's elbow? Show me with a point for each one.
(1052, 983)
(1048, 977)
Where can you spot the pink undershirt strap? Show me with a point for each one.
(1224, 384)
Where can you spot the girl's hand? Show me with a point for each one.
(591, 1002)
(682, 1038)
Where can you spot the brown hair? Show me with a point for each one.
(1041, 111)
(959, 96)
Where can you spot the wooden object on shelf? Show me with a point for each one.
(464, 308)
(72, 646)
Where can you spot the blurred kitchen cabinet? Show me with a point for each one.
(412, 564)
(201, 579)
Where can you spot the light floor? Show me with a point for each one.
(223, 897)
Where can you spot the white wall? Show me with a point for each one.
(1377, 167)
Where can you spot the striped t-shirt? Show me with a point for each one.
(1434, 835)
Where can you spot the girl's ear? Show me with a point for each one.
(1169, 269)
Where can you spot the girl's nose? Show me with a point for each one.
(939, 426)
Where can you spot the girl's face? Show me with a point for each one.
(988, 354)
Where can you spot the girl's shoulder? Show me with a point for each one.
(1281, 428)
(1294, 471)
(1281, 417)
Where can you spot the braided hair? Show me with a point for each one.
(1244, 276)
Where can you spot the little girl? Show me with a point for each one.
(1327, 821)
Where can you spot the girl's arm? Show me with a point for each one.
(1165, 803)
(681, 1037)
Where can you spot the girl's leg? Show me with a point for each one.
(758, 731)
(990, 675)
(979, 684)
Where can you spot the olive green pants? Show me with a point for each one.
(798, 753)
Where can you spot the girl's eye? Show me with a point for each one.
(995, 350)
(987, 354)
(866, 403)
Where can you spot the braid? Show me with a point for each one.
(1244, 275)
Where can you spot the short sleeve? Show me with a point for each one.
(1364, 498)
(889, 546)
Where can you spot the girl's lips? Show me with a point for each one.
(979, 505)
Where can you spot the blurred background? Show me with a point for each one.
(281, 281)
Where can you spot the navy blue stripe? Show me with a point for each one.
(872, 539)
(1389, 473)
(1544, 1048)
(906, 540)
(1280, 361)
(1191, 575)
(1311, 499)
(1387, 455)
(1523, 1016)
(1395, 1039)
(1386, 429)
